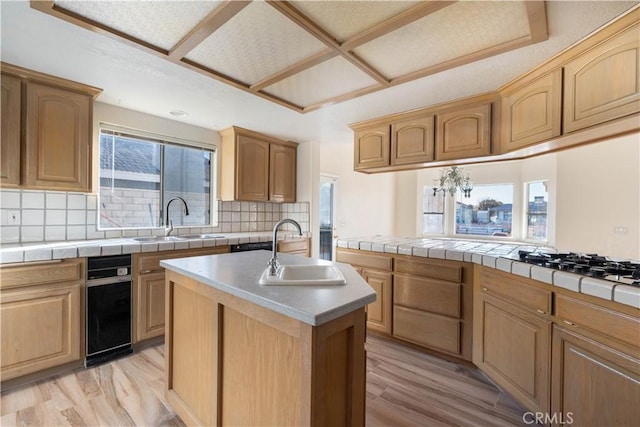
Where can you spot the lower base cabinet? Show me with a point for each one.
(593, 384)
(514, 349)
(379, 311)
(41, 316)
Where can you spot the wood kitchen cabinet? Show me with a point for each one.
(376, 270)
(149, 289)
(10, 140)
(586, 372)
(295, 246)
(603, 83)
(433, 304)
(532, 112)
(256, 167)
(512, 336)
(464, 131)
(412, 140)
(371, 147)
(55, 136)
(41, 316)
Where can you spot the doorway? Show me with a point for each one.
(327, 215)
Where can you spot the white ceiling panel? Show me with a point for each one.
(345, 19)
(254, 44)
(160, 23)
(457, 30)
(326, 80)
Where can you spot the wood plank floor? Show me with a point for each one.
(405, 387)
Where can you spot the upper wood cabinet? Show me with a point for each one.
(532, 113)
(256, 167)
(371, 147)
(52, 121)
(412, 140)
(282, 173)
(603, 83)
(464, 131)
(10, 142)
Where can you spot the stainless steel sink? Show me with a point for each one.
(152, 239)
(201, 236)
(304, 275)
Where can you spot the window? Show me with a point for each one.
(140, 174)
(488, 212)
(536, 208)
(432, 212)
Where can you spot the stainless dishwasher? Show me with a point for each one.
(108, 303)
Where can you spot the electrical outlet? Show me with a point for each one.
(620, 229)
(13, 217)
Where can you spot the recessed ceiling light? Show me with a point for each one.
(178, 113)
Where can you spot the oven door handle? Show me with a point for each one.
(108, 281)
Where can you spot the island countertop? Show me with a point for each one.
(238, 274)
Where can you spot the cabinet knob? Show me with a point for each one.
(569, 323)
(485, 289)
(542, 312)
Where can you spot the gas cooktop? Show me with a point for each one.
(592, 265)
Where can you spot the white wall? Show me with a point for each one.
(406, 204)
(308, 187)
(366, 202)
(599, 190)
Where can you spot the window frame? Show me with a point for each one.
(163, 141)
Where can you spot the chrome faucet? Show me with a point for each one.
(274, 265)
(168, 224)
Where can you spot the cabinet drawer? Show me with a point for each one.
(449, 270)
(600, 319)
(493, 283)
(378, 262)
(435, 296)
(147, 263)
(41, 273)
(430, 330)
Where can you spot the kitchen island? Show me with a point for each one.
(238, 353)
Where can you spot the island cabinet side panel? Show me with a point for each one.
(191, 347)
(339, 372)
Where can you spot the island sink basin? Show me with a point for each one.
(304, 275)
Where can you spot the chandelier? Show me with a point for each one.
(451, 180)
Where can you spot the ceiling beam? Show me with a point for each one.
(537, 16)
(294, 69)
(216, 19)
(392, 24)
(300, 19)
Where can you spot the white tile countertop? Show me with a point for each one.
(45, 251)
(503, 256)
(238, 274)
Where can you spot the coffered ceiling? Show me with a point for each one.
(308, 54)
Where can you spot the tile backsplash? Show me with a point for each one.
(37, 216)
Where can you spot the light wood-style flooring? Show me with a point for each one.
(405, 387)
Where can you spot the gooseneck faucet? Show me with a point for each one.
(273, 262)
(168, 224)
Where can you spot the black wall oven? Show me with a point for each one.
(108, 303)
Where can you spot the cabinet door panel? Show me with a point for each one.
(252, 169)
(371, 148)
(515, 350)
(464, 132)
(379, 312)
(532, 113)
(40, 328)
(431, 330)
(412, 141)
(282, 174)
(58, 139)
(604, 83)
(586, 372)
(10, 140)
(151, 305)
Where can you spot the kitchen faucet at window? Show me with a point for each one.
(168, 223)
